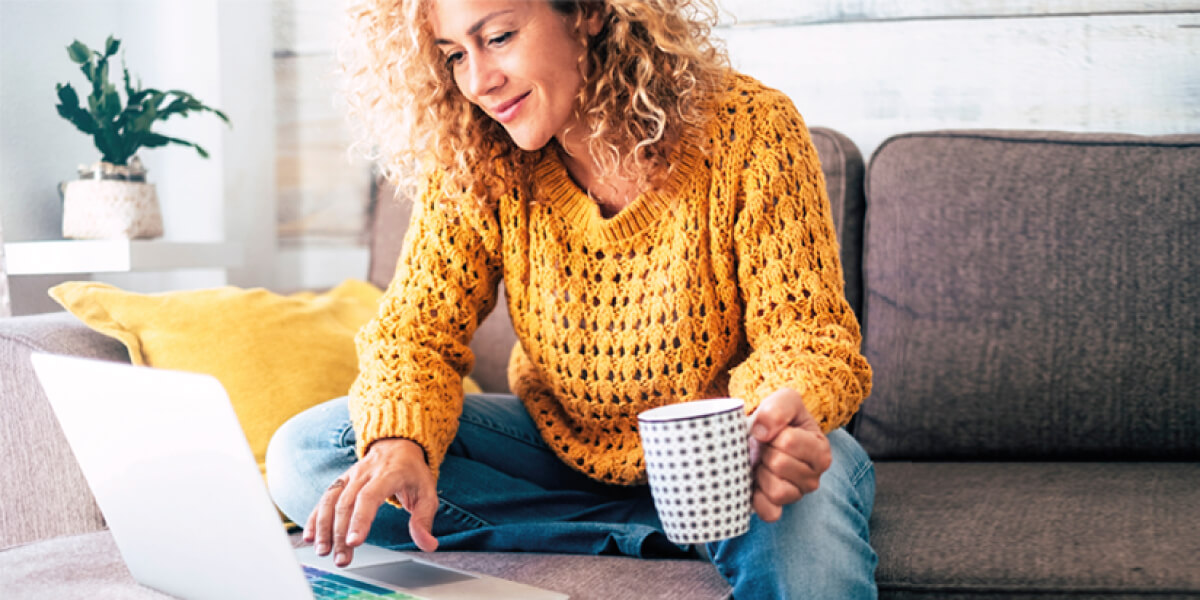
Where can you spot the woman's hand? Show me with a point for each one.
(391, 467)
(788, 453)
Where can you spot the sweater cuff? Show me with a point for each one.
(383, 419)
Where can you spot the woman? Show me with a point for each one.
(661, 226)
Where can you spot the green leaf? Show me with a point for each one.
(109, 144)
(159, 140)
(69, 109)
(154, 140)
(145, 117)
(67, 95)
(130, 93)
(110, 102)
(110, 46)
(78, 52)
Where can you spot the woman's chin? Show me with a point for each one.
(527, 142)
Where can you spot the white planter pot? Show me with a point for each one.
(97, 209)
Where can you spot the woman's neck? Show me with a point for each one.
(610, 192)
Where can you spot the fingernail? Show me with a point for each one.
(760, 432)
(352, 538)
(323, 549)
(340, 559)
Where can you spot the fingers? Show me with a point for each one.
(421, 502)
(323, 517)
(810, 448)
(310, 527)
(348, 502)
(369, 501)
(776, 412)
(789, 466)
(344, 515)
(767, 511)
(784, 467)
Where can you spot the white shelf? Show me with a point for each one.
(118, 256)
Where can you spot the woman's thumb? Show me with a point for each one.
(422, 506)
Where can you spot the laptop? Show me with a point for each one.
(183, 497)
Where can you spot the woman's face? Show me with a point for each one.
(518, 60)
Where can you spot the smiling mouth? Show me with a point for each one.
(505, 112)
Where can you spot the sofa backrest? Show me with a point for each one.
(1033, 295)
(841, 163)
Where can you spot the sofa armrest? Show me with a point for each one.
(43, 493)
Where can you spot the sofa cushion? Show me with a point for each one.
(1037, 530)
(841, 162)
(43, 493)
(89, 566)
(276, 355)
(1033, 294)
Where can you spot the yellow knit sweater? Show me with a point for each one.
(727, 284)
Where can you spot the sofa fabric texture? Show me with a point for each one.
(1037, 530)
(1033, 295)
(43, 494)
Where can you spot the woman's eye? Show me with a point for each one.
(500, 39)
(453, 59)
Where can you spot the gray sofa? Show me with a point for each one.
(1031, 307)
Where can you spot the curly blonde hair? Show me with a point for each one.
(652, 66)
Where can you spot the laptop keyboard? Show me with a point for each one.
(331, 585)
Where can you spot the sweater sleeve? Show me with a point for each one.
(413, 354)
(800, 328)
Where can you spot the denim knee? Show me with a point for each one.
(820, 547)
(305, 454)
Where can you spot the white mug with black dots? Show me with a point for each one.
(698, 460)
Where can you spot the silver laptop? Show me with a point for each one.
(183, 497)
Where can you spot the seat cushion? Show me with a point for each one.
(1037, 530)
(1033, 295)
(89, 566)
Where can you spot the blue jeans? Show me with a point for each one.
(502, 489)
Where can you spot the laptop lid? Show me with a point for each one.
(175, 478)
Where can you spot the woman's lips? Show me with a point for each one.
(508, 111)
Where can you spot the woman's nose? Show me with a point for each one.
(483, 76)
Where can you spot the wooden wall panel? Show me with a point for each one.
(753, 12)
(324, 190)
(1129, 73)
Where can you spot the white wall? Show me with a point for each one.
(216, 49)
(875, 68)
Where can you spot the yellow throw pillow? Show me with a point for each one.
(276, 355)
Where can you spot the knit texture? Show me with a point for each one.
(724, 282)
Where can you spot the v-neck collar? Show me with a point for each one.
(561, 192)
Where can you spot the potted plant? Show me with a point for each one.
(111, 198)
